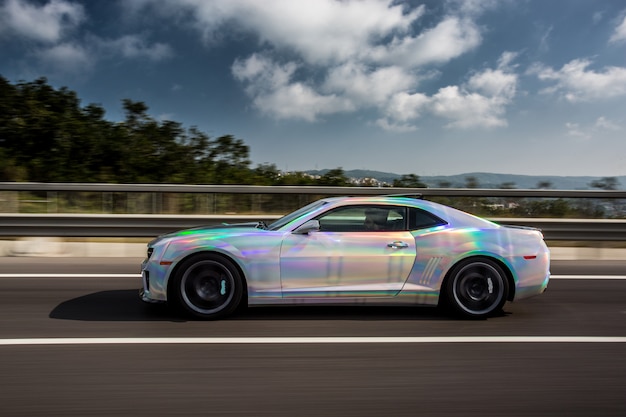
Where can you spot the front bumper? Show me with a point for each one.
(152, 280)
(146, 298)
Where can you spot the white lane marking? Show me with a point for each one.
(308, 340)
(611, 277)
(70, 275)
(618, 277)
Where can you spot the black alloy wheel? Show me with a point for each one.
(208, 286)
(477, 288)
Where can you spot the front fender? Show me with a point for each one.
(257, 258)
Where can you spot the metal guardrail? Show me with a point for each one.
(310, 190)
(109, 225)
(17, 225)
(574, 229)
(146, 225)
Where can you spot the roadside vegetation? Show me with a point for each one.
(47, 135)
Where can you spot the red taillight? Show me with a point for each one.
(528, 257)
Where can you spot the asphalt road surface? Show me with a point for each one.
(76, 341)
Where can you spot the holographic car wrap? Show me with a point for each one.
(316, 256)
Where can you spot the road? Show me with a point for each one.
(141, 360)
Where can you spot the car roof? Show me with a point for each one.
(382, 199)
(449, 214)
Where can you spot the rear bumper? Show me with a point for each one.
(532, 290)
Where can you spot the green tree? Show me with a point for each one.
(606, 183)
(409, 181)
(43, 133)
(266, 174)
(471, 182)
(296, 178)
(335, 177)
(229, 161)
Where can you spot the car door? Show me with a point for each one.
(349, 256)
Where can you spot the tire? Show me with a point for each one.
(208, 286)
(477, 288)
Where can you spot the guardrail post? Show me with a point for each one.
(52, 202)
(9, 202)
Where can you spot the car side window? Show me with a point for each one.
(365, 218)
(421, 219)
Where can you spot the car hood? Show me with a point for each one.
(248, 225)
(217, 228)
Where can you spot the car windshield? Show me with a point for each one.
(294, 215)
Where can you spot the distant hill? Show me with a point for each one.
(485, 180)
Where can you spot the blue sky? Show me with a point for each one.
(426, 87)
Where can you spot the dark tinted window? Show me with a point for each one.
(421, 219)
(365, 218)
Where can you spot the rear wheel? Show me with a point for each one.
(477, 288)
(208, 286)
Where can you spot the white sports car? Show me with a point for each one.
(349, 250)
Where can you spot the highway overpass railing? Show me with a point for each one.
(315, 190)
(144, 210)
(118, 225)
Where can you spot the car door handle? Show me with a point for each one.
(397, 245)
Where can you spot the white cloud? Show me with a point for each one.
(396, 127)
(134, 46)
(600, 129)
(368, 86)
(494, 83)
(506, 60)
(404, 106)
(402, 110)
(66, 57)
(574, 129)
(273, 91)
(299, 101)
(262, 73)
(43, 23)
(451, 38)
(479, 103)
(348, 55)
(597, 17)
(51, 26)
(319, 31)
(620, 32)
(575, 82)
(326, 32)
(468, 110)
(482, 101)
(544, 41)
(474, 7)
(82, 55)
(603, 123)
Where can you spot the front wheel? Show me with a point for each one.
(208, 286)
(477, 288)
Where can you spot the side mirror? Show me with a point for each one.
(310, 226)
